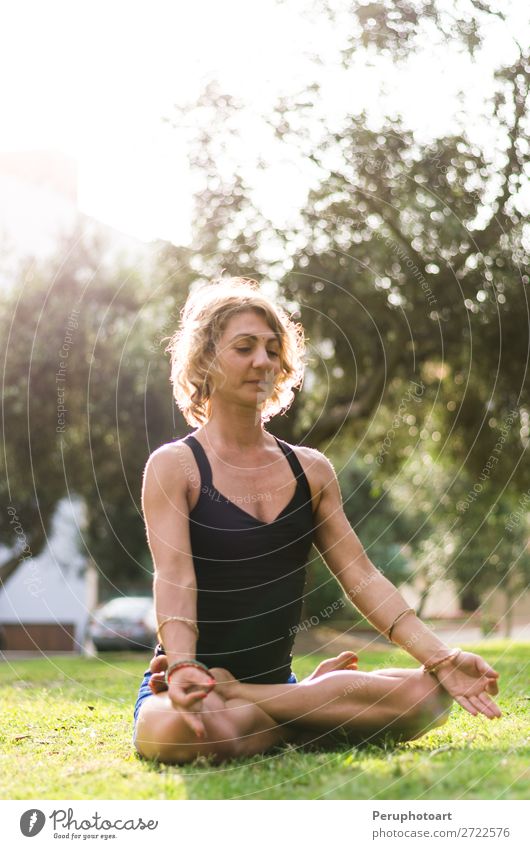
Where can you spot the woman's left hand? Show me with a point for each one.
(469, 680)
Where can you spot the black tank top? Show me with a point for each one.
(250, 576)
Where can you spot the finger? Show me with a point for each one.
(490, 709)
(158, 664)
(189, 694)
(157, 682)
(492, 706)
(193, 699)
(490, 685)
(477, 687)
(196, 724)
(191, 703)
(466, 704)
(492, 688)
(185, 679)
(485, 668)
(189, 676)
(158, 687)
(176, 694)
(205, 686)
(482, 707)
(205, 683)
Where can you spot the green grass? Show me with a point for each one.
(72, 718)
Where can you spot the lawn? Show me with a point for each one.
(66, 734)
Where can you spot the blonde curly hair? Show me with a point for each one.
(193, 347)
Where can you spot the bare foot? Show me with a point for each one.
(226, 684)
(158, 666)
(345, 660)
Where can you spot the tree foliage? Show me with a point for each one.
(81, 405)
(407, 265)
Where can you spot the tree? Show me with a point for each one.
(384, 532)
(493, 550)
(406, 266)
(82, 406)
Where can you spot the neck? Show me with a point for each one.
(236, 428)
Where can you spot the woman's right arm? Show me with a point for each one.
(166, 513)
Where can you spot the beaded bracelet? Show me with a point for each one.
(179, 664)
(432, 667)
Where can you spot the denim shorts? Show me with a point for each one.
(145, 691)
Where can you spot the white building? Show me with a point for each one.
(46, 603)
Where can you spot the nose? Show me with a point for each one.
(261, 358)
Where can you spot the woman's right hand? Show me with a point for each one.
(188, 687)
(157, 668)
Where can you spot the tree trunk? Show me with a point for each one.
(424, 595)
(509, 593)
(35, 544)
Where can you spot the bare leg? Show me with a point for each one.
(234, 728)
(365, 705)
(246, 719)
(349, 660)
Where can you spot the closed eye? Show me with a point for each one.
(245, 350)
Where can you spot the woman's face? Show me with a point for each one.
(248, 358)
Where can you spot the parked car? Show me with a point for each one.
(128, 622)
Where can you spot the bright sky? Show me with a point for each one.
(94, 79)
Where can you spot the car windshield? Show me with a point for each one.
(129, 608)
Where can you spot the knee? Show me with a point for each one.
(165, 738)
(162, 734)
(441, 706)
(429, 703)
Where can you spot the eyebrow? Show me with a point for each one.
(255, 338)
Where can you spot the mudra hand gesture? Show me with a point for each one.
(469, 679)
(187, 689)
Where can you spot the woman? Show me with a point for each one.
(231, 513)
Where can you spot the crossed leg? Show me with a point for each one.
(246, 719)
(233, 727)
(365, 707)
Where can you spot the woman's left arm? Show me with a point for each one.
(379, 600)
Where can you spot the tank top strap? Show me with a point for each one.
(295, 465)
(200, 458)
(206, 470)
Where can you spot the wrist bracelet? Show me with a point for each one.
(190, 622)
(432, 667)
(398, 617)
(179, 664)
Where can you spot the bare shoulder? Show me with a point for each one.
(318, 469)
(323, 469)
(167, 468)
